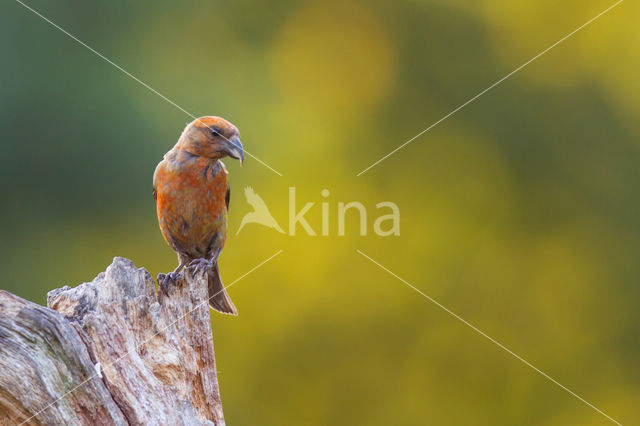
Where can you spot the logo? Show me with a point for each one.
(260, 214)
(384, 225)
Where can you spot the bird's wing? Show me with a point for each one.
(255, 200)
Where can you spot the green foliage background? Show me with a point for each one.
(519, 213)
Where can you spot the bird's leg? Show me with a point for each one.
(179, 268)
(165, 279)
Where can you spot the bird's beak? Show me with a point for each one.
(235, 149)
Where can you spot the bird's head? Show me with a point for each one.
(212, 137)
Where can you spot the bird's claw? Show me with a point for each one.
(165, 279)
(200, 265)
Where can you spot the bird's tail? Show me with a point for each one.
(218, 297)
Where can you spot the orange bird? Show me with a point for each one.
(192, 197)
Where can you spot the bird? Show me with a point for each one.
(192, 195)
(260, 213)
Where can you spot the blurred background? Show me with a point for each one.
(519, 213)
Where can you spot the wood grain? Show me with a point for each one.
(110, 351)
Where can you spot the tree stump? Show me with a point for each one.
(112, 351)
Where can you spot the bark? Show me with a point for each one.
(111, 351)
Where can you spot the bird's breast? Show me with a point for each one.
(191, 199)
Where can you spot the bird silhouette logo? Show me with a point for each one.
(260, 213)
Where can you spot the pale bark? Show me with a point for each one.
(111, 351)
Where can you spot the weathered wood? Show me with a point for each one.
(111, 351)
(42, 357)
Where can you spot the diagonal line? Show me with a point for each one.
(500, 345)
(128, 74)
(93, 376)
(491, 87)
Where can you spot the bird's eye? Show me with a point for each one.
(215, 131)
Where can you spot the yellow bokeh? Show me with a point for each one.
(334, 57)
(521, 30)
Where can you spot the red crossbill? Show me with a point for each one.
(192, 197)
